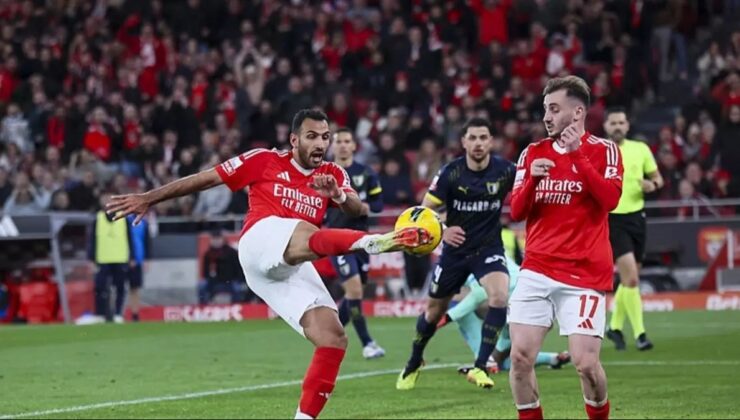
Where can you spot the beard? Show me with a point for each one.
(616, 135)
(556, 131)
(559, 125)
(310, 159)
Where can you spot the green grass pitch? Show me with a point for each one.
(253, 370)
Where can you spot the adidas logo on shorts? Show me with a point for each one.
(586, 325)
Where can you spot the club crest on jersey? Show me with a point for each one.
(492, 187)
(358, 179)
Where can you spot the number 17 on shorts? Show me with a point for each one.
(586, 300)
(591, 313)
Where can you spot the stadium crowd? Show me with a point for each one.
(118, 96)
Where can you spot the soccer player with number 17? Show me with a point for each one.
(565, 186)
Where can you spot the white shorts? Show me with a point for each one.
(538, 299)
(289, 290)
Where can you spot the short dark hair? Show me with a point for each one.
(307, 114)
(477, 122)
(341, 130)
(616, 110)
(574, 87)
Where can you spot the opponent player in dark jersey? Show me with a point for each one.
(472, 189)
(352, 268)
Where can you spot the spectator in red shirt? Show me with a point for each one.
(670, 143)
(528, 64)
(98, 137)
(356, 33)
(492, 20)
(148, 48)
(466, 84)
(55, 127)
(8, 81)
(727, 92)
(226, 96)
(339, 112)
(198, 94)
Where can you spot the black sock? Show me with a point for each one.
(358, 320)
(135, 316)
(424, 331)
(343, 311)
(494, 322)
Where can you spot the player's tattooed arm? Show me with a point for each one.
(139, 204)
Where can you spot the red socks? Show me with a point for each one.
(531, 414)
(594, 413)
(334, 241)
(320, 379)
(598, 413)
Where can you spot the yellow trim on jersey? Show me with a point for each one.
(374, 191)
(433, 199)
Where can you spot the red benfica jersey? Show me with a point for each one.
(278, 186)
(567, 212)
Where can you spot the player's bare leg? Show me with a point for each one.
(298, 250)
(526, 341)
(585, 352)
(308, 243)
(351, 310)
(628, 304)
(134, 302)
(426, 326)
(322, 328)
(496, 285)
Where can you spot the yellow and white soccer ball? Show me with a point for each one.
(423, 217)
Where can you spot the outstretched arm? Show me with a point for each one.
(123, 205)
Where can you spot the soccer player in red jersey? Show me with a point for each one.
(564, 188)
(289, 193)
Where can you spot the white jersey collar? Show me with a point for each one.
(558, 148)
(300, 168)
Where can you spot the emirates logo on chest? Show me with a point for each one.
(557, 191)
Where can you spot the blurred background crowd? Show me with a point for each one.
(118, 96)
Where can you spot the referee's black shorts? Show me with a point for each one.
(627, 234)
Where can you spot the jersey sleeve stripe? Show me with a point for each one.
(522, 157)
(431, 197)
(252, 153)
(612, 154)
